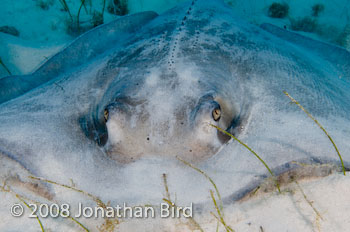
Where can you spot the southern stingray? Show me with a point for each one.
(114, 109)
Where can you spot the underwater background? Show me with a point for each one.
(33, 30)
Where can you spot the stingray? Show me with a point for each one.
(114, 109)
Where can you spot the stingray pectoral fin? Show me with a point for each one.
(14, 86)
(286, 174)
(338, 56)
(95, 42)
(82, 50)
(15, 178)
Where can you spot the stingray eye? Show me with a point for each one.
(105, 115)
(216, 114)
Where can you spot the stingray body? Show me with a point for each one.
(124, 99)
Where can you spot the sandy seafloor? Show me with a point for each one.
(317, 205)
